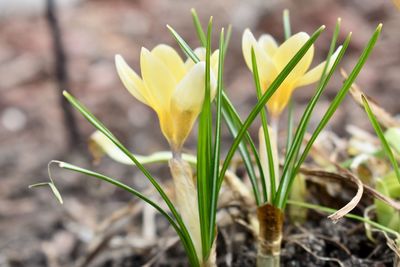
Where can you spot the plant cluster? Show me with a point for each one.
(182, 90)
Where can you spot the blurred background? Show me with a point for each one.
(71, 45)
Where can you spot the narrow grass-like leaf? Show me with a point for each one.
(267, 95)
(286, 24)
(99, 126)
(199, 29)
(227, 39)
(184, 46)
(184, 238)
(204, 159)
(217, 143)
(53, 188)
(267, 139)
(288, 173)
(381, 135)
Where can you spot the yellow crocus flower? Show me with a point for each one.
(271, 59)
(174, 89)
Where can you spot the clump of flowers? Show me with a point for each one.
(180, 91)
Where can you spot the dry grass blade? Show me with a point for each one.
(347, 176)
(384, 117)
(371, 191)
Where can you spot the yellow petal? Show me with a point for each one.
(315, 74)
(167, 126)
(158, 80)
(266, 68)
(187, 100)
(286, 52)
(268, 44)
(130, 79)
(171, 59)
(280, 98)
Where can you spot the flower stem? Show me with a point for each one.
(186, 197)
(275, 145)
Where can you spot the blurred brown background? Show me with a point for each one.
(34, 229)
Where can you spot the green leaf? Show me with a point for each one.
(182, 235)
(184, 46)
(53, 189)
(380, 134)
(286, 24)
(217, 144)
(227, 39)
(199, 29)
(204, 157)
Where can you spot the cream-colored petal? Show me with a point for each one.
(158, 80)
(314, 74)
(214, 62)
(189, 93)
(268, 44)
(266, 68)
(130, 79)
(287, 51)
(200, 52)
(171, 59)
(99, 144)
